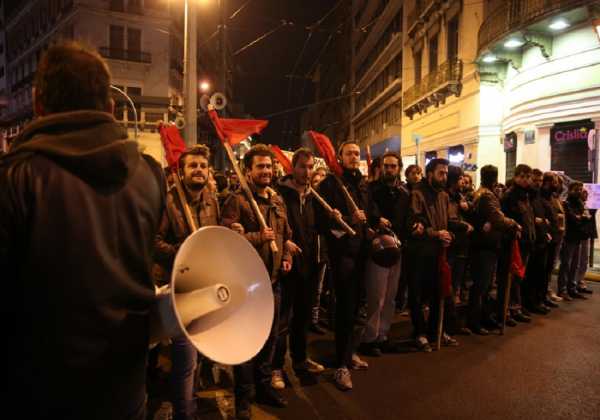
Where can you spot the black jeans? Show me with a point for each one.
(297, 298)
(348, 273)
(534, 287)
(484, 265)
(257, 371)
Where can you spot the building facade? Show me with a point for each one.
(540, 68)
(440, 94)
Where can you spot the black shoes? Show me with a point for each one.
(521, 317)
(269, 396)
(370, 349)
(243, 409)
(550, 304)
(480, 331)
(539, 309)
(315, 328)
(511, 322)
(585, 290)
(577, 295)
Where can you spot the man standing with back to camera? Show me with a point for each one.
(80, 209)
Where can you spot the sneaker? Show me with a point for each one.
(343, 379)
(577, 295)
(449, 341)
(511, 322)
(585, 290)
(423, 344)
(521, 317)
(277, 381)
(550, 304)
(309, 366)
(565, 297)
(165, 412)
(358, 363)
(554, 297)
(465, 331)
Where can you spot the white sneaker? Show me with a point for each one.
(343, 379)
(423, 344)
(358, 363)
(554, 297)
(449, 341)
(309, 365)
(277, 381)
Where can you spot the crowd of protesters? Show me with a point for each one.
(88, 231)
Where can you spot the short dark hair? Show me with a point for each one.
(454, 174)
(522, 169)
(574, 184)
(344, 144)
(71, 77)
(537, 172)
(256, 150)
(489, 175)
(394, 155)
(412, 167)
(303, 152)
(549, 176)
(434, 163)
(221, 181)
(197, 150)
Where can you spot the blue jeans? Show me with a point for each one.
(569, 265)
(184, 358)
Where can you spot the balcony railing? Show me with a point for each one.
(513, 15)
(127, 55)
(434, 88)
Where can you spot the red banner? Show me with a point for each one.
(172, 143)
(282, 158)
(516, 263)
(235, 131)
(327, 151)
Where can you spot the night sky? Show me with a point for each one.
(262, 81)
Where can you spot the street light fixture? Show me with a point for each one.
(559, 24)
(204, 86)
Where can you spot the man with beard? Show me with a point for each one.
(300, 287)
(534, 287)
(490, 226)
(193, 164)
(428, 207)
(347, 255)
(577, 219)
(258, 164)
(392, 200)
(517, 206)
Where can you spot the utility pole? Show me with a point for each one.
(190, 87)
(223, 76)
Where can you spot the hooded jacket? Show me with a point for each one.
(80, 208)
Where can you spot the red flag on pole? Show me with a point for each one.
(282, 158)
(173, 144)
(445, 275)
(516, 263)
(327, 151)
(234, 130)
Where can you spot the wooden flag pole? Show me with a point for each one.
(248, 192)
(327, 207)
(186, 207)
(440, 325)
(505, 303)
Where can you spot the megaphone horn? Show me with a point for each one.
(179, 122)
(220, 297)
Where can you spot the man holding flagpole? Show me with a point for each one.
(258, 164)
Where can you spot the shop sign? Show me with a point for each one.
(576, 131)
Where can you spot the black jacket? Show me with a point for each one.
(301, 218)
(79, 212)
(393, 202)
(542, 209)
(330, 189)
(577, 220)
(460, 245)
(516, 205)
(486, 209)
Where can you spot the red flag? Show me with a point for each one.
(282, 158)
(516, 263)
(173, 144)
(445, 274)
(327, 152)
(234, 131)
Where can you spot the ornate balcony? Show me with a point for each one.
(444, 81)
(513, 15)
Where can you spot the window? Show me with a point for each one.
(453, 38)
(117, 5)
(417, 59)
(433, 53)
(116, 37)
(137, 91)
(134, 39)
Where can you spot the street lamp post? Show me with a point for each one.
(190, 46)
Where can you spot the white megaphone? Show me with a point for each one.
(220, 297)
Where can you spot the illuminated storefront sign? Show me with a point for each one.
(576, 131)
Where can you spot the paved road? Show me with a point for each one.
(549, 369)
